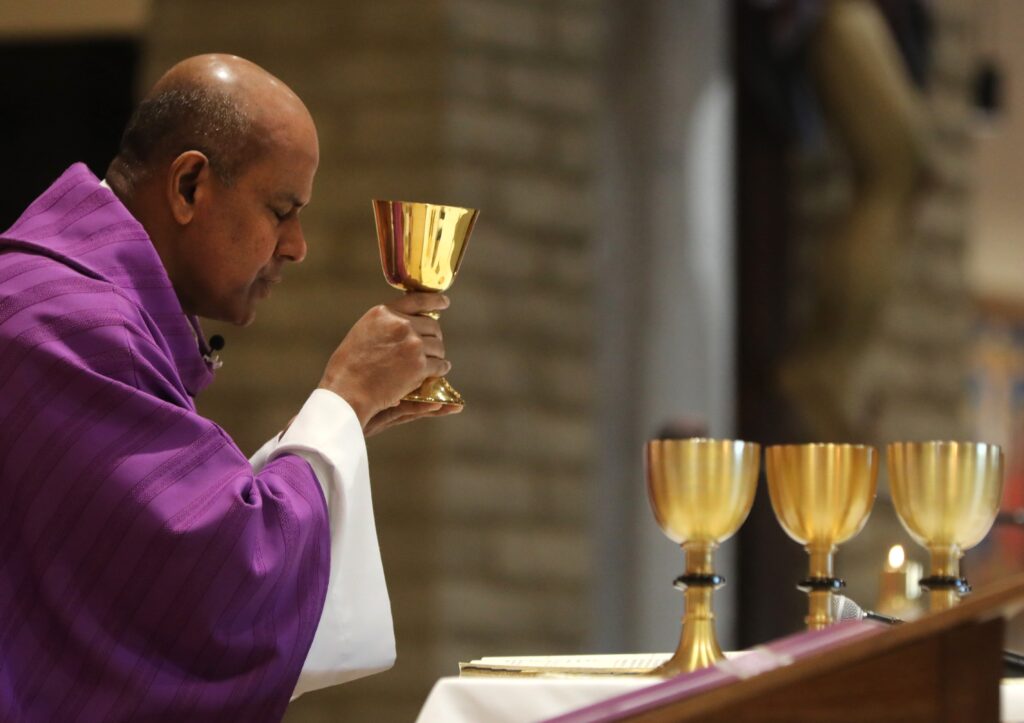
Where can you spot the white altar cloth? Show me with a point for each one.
(525, 700)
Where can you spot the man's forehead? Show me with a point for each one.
(282, 174)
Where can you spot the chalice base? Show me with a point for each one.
(697, 649)
(698, 645)
(436, 391)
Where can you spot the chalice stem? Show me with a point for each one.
(942, 599)
(698, 643)
(819, 609)
(435, 390)
(819, 587)
(944, 584)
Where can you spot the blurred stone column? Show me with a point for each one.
(482, 518)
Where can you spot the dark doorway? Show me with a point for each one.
(770, 563)
(62, 102)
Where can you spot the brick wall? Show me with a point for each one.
(484, 103)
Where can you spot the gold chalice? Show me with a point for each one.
(701, 491)
(822, 495)
(421, 247)
(946, 495)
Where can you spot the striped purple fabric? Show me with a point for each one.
(145, 572)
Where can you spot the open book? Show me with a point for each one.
(558, 665)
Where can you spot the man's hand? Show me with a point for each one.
(407, 412)
(387, 354)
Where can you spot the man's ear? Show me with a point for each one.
(189, 177)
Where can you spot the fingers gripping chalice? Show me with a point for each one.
(822, 495)
(947, 496)
(701, 491)
(421, 248)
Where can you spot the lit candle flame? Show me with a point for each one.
(896, 557)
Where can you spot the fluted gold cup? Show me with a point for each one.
(947, 496)
(421, 248)
(701, 491)
(822, 495)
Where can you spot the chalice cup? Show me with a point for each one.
(701, 491)
(947, 496)
(822, 495)
(421, 248)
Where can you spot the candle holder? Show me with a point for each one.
(898, 586)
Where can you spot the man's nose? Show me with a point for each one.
(293, 244)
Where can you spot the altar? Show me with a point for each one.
(527, 700)
(946, 666)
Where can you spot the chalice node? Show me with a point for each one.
(822, 495)
(421, 248)
(701, 491)
(947, 496)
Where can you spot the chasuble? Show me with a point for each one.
(148, 570)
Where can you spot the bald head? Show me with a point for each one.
(216, 163)
(223, 106)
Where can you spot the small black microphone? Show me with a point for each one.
(216, 343)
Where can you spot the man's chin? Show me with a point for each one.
(245, 318)
(235, 317)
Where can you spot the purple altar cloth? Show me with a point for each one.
(145, 572)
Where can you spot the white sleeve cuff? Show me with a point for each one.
(355, 636)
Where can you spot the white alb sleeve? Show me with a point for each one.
(356, 634)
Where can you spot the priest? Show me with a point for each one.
(148, 569)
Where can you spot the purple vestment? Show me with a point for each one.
(145, 572)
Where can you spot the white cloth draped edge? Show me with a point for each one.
(355, 636)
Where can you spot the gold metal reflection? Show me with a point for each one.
(946, 495)
(421, 248)
(701, 491)
(822, 495)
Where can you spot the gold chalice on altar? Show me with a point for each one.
(822, 495)
(701, 491)
(946, 495)
(421, 247)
